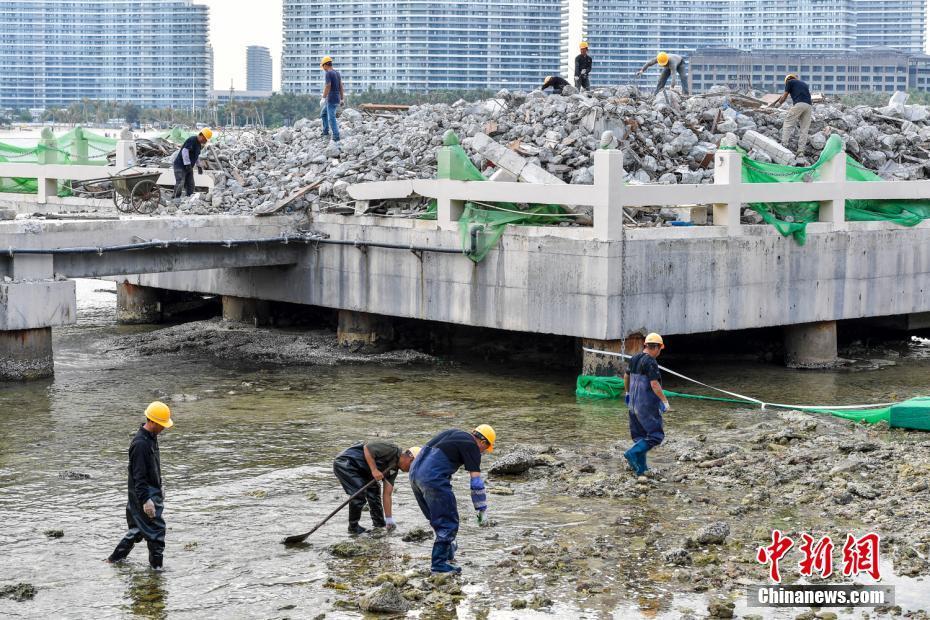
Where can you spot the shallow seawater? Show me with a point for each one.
(249, 462)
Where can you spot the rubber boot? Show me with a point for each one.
(636, 456)
(440, 560)
(355, 514)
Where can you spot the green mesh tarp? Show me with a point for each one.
(911, 414)
(177, 135)
(791, 218)
(93, 152)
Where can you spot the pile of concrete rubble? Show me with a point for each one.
(665, 139)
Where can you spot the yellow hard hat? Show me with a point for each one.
(159, 413)
(414, 450)
(206, 132)
(662, 58)
(326, 60)
(655, 338)
(790, 76)
(584, 45)
(488, 433)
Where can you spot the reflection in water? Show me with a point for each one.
(146, 593)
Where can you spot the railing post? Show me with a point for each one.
(79, 148)
(448, 212)
(728, 170)
(834, 171)
(608, 183)
(47, 156)
(125, 150)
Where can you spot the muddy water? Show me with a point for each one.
(249, 462)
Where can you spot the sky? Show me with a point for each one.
(236, 24)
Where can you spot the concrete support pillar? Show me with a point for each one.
(246, 310)
(811, 345)
(26, 354)
(601, 365)
(137, 305)
(364, 330)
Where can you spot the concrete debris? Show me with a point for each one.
(540, 139)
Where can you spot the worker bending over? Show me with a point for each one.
(431, 479)
(553, 84)
(670, 63)
(187, 158)
(583, 63)
(146, 497)
(646, 402)
(373, 460)
(800, 111)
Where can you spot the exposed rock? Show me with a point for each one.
(417, 534)
(385, 599)
(713, 533)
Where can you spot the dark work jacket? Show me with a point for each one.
(557, 83)
(193, 147)
(144, 471)
(583, 62)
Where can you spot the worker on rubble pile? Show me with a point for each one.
(146, 497)
(333, 97)
(431, 480)
(670, 63)
(583, 63)
(646, 402)
(799, 115)
(553, 84)
(187, 158)
(373, 460)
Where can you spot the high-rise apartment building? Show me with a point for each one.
(422, 44)
(154, 53)
(258, 68)
(899, 24)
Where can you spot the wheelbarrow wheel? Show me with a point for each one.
(122, 203)
(146, 197)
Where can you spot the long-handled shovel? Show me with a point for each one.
(299, 538)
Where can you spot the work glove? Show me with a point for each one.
(664, 406)
(626, 399)
(479, 498)
(199, 169)
(390, 523)
(483, 520)
(149, 508)
(322, 102)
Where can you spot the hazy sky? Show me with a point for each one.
(236, 24)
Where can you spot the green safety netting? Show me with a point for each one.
(78, 146)
(482, 225)
(791, 218)
(911, 414)
(177, 135)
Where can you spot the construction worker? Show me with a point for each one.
(670, 63)
(146, 498)
(372, 460)
(583, 64)
(800, 111)
(333, 97)
(431, 479)
(646, 402)
(187, 158)
(553, 84)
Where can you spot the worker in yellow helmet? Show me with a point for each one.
(431, 480)
(646, 401)
(670, 63)
(583, 64)
(799, 114)
(333, 97)
(187, 158)
(146, 499)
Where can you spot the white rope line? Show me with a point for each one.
(748, 399)
(490, 206)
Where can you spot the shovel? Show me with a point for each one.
(299, 538)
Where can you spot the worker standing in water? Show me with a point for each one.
(373, 460)
(670, 63)
(583, 64)
(431, 479)
(646, 401)
(146, 497)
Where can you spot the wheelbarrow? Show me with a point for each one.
(137, 192)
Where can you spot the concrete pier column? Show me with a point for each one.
(361, 329)
(810, 345)
(246, 310)
(26, 354)
(600, 365)
(137, 305)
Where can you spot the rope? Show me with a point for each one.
(490, 206)
(743, 398)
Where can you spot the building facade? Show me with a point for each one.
(421, 44)
(154, 53)
(258, 68)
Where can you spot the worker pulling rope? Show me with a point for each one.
(912, 414)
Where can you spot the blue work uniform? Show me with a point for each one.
(431, 480)
(333, 99)
(646, 426)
